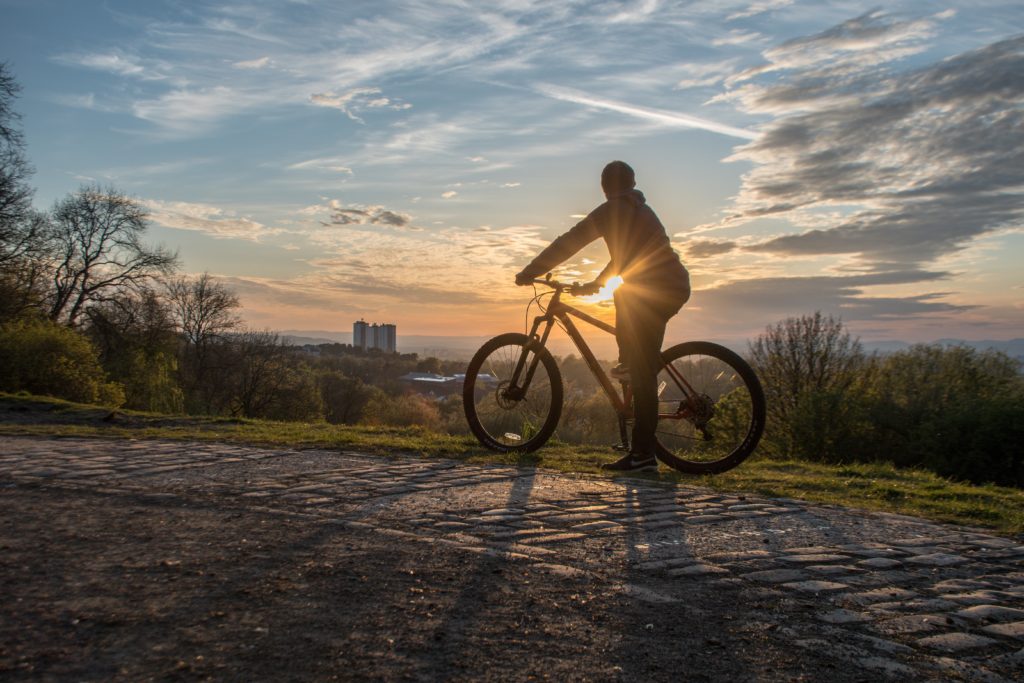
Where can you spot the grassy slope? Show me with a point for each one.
(871, 486)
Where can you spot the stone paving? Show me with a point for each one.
(895, 596)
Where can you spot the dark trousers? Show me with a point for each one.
(640, 320)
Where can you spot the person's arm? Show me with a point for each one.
(606, 274)
(564, 246)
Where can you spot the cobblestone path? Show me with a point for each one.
(891, 596)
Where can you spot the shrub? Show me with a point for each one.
(951, 409)
(403, 411)
(45, 358)
(344, 398)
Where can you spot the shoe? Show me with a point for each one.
(633, 462)
(620, 372)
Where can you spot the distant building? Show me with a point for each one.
(359, 330)
(433, 384)
(383, 337)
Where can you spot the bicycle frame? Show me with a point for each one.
(561, 312)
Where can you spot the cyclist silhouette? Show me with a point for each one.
(655, 285)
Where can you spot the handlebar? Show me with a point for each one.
(574, 288)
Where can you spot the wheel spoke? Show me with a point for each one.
(717, 412)
(521, 419)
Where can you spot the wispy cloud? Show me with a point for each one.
(759, 7)
(259, 63)
(357, 100)
(118, 63)
(377, 267)
(872, 38)
(638, 11)
(210, 220)
(186, 112)
(334, 164)
(703, 74)
(923, 160)
(660, 116)
(737, 38)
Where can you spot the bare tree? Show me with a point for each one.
(204, 313)
(809, 367)
(18, 227)
(97, 249)
(204, 308)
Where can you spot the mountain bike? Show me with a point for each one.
(711, 408)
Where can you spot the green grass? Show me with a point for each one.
(873, 486)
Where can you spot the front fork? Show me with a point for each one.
(519, 383)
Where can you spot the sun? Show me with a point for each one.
(606, 292)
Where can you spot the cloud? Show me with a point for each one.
(759, 7)
(744, 306)
(702, 249)
(660, 116)
(261, 291)
(697, 74)
(210, 220)
(872, 38)
(899, 168)
(356, 100)
(738, 39)
(637, 12)
(260, 63)
(118, 63)
(342, 215)
(184, 111)
(379, 263)
(449, 194)
(335, 164)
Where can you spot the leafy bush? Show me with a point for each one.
(403, 411)
(42, 357)
(951, 409)
(344, 398)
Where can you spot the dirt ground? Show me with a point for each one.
(145, 560)
(100, 587)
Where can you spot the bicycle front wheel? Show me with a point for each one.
(711, 408)
(512, 394)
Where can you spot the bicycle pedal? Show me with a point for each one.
(620, 447)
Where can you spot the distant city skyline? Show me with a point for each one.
(400, 161)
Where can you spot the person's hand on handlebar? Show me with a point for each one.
(522, 279)
(585, 289)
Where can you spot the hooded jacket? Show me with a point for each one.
(637, 242)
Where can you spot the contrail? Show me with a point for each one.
(660, 115)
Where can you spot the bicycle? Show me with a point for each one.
(711, 408)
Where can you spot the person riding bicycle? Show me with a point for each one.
(655, 285)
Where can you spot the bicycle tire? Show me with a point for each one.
(509, 425)
(724, 425)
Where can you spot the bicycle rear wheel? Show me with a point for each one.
(512, 394)
(711, 408)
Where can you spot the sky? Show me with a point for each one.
(400, 161)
